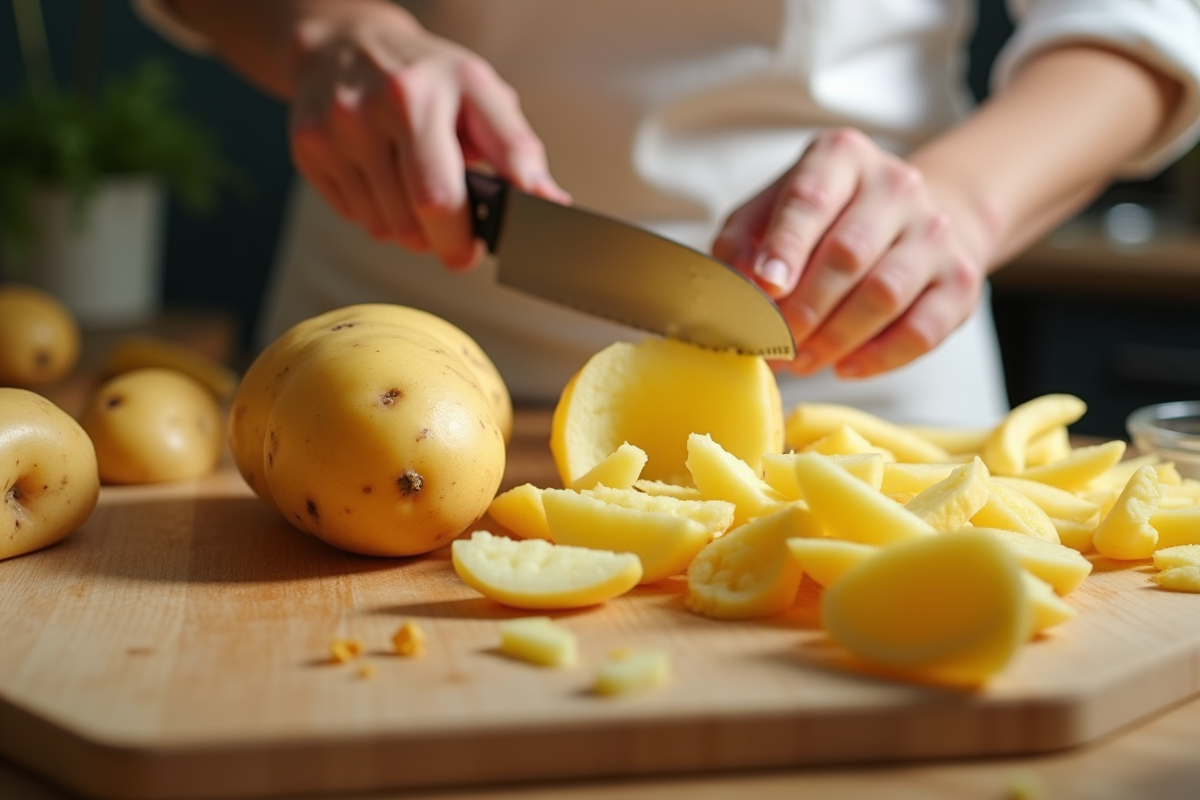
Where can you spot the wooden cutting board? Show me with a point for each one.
(177, 647)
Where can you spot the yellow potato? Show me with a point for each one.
(1180, 579)
(808, 422)
(380, 429)
(1125, 533)
(661, 489)
(950, 503)
(1077, 470)
(1049, 609)
(39, 338)
(1183, 555)
(720, 475)
(1176, 526)
(538, 640)
(845, 441)
(140, 352)
(849, 509)
(748, 572)
(715, 515)
(665, 542)
(826, 560)
(520, 510)
(955, 441)
(912, 479)
(47, 471)
(1005, 452)
(653, 395)
(1008, 509)
(950, 608)
(1060, 566)
(153, 425)
(622, 673)
(619, 471)
(536, 574)
(1048, 447)
(780, 473)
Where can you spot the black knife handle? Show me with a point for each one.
(485, 197)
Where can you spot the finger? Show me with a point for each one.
(883, 294)
(852, 246)
(937, 312)
(808, 201)
(311, 162)
(494, 126)
(738, 240)
(431, 163)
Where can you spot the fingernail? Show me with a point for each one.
(803, 361)
(772, 270)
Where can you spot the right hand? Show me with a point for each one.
(385, 118)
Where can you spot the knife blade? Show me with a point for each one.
(620, 272)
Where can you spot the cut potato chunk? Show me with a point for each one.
(1048, 608)
(749, 572)
(912, 479)
(955, 441)
(619, 471)
(538, 640)
(1009, 510)
(1077, 470)
(1006, 450)
(780, 473)
(622, 673)
(665, 542)
(1179, 579)
(845, 441)
(1176, 526)
(653, 395)
(849, 509)
(826, 560)
(1125, 533)
(808, 422)
(1058, 565)
(950, 503)
(520, 511)
(720, 475)
(951, 608)
(539, 575)
(1183, 555)
(715, 515)
(663, 489)
(1053, 445)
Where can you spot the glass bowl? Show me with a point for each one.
(1172, 431)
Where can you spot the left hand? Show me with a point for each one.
(852, 242)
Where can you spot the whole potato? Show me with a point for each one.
(47, 471)
(152, 425)
(39, 338)
(380, 429)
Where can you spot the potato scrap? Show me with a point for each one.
(538, 640)
(624, 672)
(1126, 532)
(1179, 579)
(409, 640)
(344, 650)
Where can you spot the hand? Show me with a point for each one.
(385, 117)
(868, 270)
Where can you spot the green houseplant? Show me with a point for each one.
(84, 172)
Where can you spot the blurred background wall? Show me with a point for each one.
(1119, 344)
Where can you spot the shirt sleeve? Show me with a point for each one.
(1163, 34)
(162, 19)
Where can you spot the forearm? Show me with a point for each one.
(257, 38)
(1040, 150)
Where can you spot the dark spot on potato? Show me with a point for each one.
(423, 435)
(343, 325)
(65, 480)
(366, 490)
(347, 511)
(390, 397)
(45, 486)
(297, 516)
(311, 507)
(483, 424)
(42, 359)
(410, 483)
(113, 401)
(17, 524)
(13, 495)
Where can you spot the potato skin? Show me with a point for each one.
(39, 338)
(153, 425)
(48, 479)
(375, 428)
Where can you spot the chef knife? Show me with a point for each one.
(623, 273)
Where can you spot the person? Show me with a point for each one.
(826, 149)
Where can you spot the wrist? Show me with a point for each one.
(315, 24)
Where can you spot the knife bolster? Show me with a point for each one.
(486, 196)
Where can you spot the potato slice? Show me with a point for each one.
(720, 475)
(1119, 474)
(536, 574)
(849, 509)
(538, 640)
(1125, 533)
(749, 572)
(1048, 447)
(1176, 526)
(715, 515)
(845, 441)
(912, 479)
(808, 422)
(619, 471)
(780, 474)
(664, 489)
(665, 543)
(1005, 452)
(622, 673)
(1179, 579)
(1058, 565)
(951, 608)
(1049, 609)
(950, 503)
(955, 441)
(1182, 555)
(826, 560)
(1009, 510)
(1078, 469)
(520, 510)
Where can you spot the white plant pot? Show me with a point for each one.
(103, 263)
